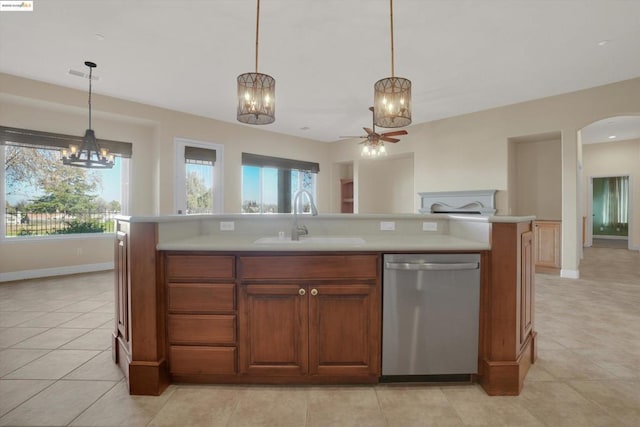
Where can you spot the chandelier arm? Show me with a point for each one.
(257, 32)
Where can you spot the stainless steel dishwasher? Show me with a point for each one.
(430, 316)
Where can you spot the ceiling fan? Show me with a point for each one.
(374, 142)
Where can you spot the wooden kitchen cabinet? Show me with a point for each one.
(294, 324)
(547, 246)
(508, 336)
(201, 314)
(138, 336)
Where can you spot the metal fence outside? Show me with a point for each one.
(20, 223)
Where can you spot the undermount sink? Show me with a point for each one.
(322, 240)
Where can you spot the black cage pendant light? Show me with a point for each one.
(88, 154)
(392, 95)
(256, 92)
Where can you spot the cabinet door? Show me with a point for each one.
(122, 286)
(273, 329)
(526, 286)
(547, 240)
(344, 330)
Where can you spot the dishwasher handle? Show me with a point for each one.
(432, 265)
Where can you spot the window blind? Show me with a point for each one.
(249, 159)
(39, 139)
(199, 156)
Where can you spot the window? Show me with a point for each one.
(198, 184)
(269, 184)
(43, 197)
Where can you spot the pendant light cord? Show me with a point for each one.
(391, 17)
(257, 31)
(90, 80)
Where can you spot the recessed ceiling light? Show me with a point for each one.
(100, 36)
(603, 42)
(612, 137)
(305, 128)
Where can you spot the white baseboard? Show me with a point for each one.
(570, 274)
(54, 271)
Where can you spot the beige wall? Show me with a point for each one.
(468, 152)
(538, 179)
(615, 159)
(386, 185)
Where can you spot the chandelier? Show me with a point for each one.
(88, 154)
(256, 92)
(392, 95)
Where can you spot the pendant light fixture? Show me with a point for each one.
(256, 92)
(392, 95)
(88, 154)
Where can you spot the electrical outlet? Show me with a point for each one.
(429, 226)
(227, 226)
(387, 225)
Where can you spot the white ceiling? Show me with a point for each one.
(461, 55)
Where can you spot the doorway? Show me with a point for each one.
(609, 224)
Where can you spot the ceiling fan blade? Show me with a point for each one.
(385, 139)
(368, 130)
(353, 136)
(395, 133)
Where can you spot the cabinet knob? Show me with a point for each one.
(301, 292)
(314, 292)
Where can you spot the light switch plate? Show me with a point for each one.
(387, 225)
(429, 226)
(227, 226)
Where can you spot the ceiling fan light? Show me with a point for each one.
(392, 101)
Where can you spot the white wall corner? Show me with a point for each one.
(55, 271)
(570, 274)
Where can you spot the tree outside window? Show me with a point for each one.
(44, 197)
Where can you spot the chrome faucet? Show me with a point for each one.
(297, 231)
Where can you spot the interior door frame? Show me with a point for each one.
(179, 196)
(589, 226)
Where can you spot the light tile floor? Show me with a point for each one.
(56, 368)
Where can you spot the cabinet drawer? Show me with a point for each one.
(201, 297)
(202, 329)
(202, 360)
(200, 267)
(309, 267)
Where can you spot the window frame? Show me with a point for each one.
(179, 196)
(125, 173)
(281, 165)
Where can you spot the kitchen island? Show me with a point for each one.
(231, 299)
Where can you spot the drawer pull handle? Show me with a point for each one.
(301, 292)
(314, 292)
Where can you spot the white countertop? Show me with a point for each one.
(372, 243)
(327, 232)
